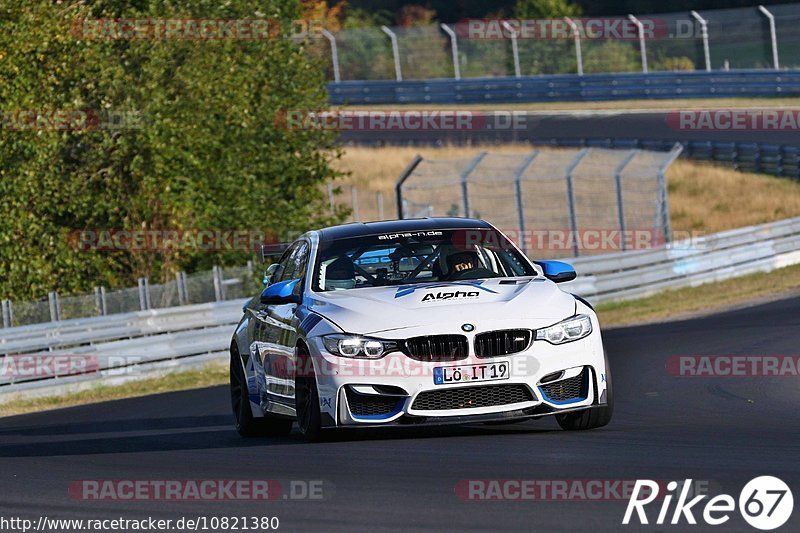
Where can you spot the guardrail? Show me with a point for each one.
(767, 158)
(131, 345)
(686, 263)
(569, 87)
(116, 347)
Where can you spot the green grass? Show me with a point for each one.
(704, 299)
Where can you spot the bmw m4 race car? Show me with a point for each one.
(414, 322)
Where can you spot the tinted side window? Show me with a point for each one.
(284, 264)
(296, 260)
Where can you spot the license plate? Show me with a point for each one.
(444, 375)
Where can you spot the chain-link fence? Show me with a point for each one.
(749, 38)
(218, 284)
(557, 203)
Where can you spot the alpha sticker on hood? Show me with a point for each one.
(440, 296)
(405, 290)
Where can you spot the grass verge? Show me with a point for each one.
(689, 301)
(680, 303)
(207, 376)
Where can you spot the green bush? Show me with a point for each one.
(205, 152)
(611, 56)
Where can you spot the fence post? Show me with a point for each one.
(216, 274)
(465, 179)
(666, 223)
(577, 35)
(55, 311)
(354, 203)
(520, 204)
(453, 49)
(143, 296)
(379, 200)
(8, 316)
(331, 203)
(772, 35)
(618, 184)
(514, 48)
(573, 218)
(704, 35)
(334, 54)
(100, 300)
(180, 280)
(642, 44)
(398, 188)
(395, 53)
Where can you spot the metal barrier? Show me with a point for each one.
(116, 347)
(778, 160)
(687, 263)
(570, 87)
(126, 345)
(217, 285)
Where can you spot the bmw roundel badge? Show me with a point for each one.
(467, 327)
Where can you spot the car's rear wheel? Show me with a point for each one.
(595, 417)
(246, 424)
(309, 416)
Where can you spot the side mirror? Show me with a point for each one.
(281, 293)
(558, 271)
(270, 272)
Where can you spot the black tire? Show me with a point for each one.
(595, 417)
(246, 424)
(309, 417)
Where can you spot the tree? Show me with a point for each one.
(205, 152)
(542, 9)
(546, 56)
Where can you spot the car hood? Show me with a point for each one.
(536, 301)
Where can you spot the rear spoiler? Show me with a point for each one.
(273, 250)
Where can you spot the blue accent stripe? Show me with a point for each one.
(310, 321)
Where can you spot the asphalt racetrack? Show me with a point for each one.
(723, 431)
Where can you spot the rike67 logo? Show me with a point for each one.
(765, 503)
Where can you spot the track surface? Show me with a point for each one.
(542, 126)
(723, 430)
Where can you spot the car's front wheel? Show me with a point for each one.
(309, 417)
(246, 424)
(595, 417)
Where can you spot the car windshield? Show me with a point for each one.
(417, 257)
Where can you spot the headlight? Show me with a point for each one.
(346, 345)
(569, 330)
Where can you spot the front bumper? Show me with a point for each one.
(363, 393)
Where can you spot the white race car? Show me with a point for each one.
(414, 322)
